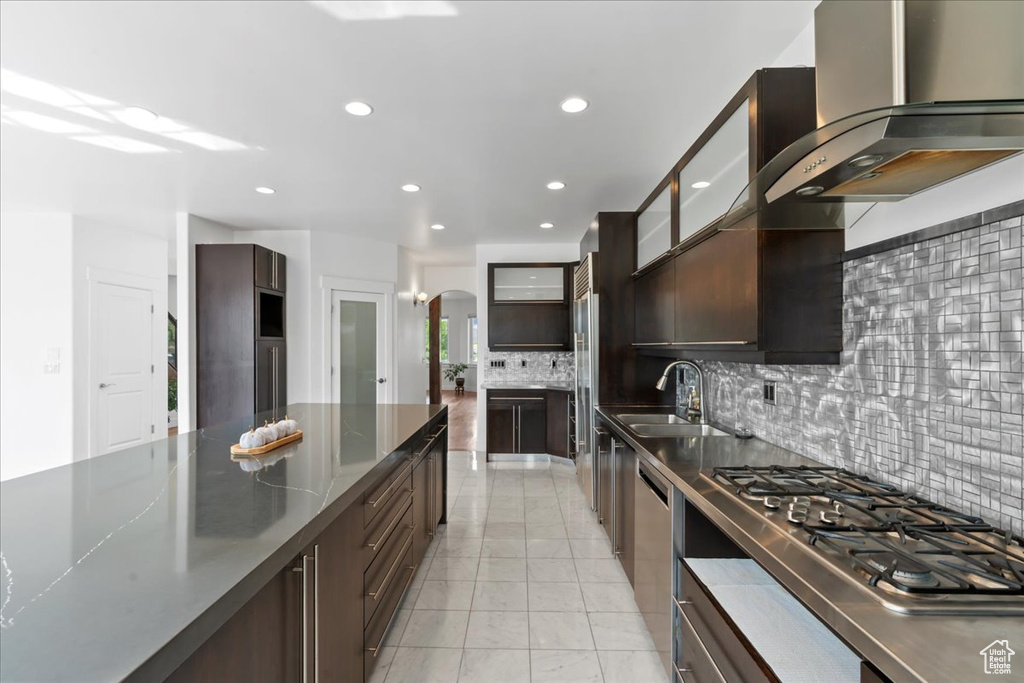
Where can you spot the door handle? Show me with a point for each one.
(104, 385)
(381, 380)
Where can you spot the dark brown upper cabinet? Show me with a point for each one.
(270, 269)
(773, 109)
(746, 294)
(528, 307)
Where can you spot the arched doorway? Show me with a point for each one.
(452, 350)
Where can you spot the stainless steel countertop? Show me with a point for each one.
(904, 647)
(121, 565)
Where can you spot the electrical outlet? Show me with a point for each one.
(769, 392)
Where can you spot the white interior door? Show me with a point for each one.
(359, 349)
(121, 348)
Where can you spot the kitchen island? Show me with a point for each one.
(123, 566)
(943, 645)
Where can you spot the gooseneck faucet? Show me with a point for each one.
(660, 386)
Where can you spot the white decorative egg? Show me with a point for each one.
(269, 433)
(287, 427)
(251, 439)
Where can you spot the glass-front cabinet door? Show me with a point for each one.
(654, 229)
(528, 283)
(716, 175)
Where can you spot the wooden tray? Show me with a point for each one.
(262, 450)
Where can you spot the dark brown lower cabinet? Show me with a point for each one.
(516, 421)
(558, 423)
(325, 615)
(261, 642)
(529, 421)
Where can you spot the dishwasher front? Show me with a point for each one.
(653, 557)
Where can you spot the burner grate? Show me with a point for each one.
(899, 542)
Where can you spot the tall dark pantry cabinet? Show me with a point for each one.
(241, 363)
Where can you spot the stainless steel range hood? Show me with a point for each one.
(910, 94)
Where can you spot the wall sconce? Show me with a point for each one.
(420, 298)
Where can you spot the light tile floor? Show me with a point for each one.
(519, 586)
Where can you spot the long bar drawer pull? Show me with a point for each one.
(696, 636)
(376, 648)
(430, 441)
(394, 566)
(398, 479)
(391, 525)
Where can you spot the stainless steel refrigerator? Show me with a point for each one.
(585, 328)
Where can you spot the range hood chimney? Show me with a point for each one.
(910, 94)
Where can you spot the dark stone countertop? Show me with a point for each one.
(552, 386)
(120, 566)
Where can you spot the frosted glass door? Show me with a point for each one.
(357, 368)
(654, 229)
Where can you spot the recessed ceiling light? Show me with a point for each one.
(411, 187)
(437, 226)
(700, 185)
(358, 108)
(547, 225)
(556, 185)
(265, 190)
(574, 105)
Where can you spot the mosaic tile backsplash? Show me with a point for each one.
(928, 394)
(538, 367)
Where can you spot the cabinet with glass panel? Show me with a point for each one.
(528, 307)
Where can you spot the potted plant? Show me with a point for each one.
(453, 373)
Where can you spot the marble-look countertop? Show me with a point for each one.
(553, 386)
(120, 566)
(907, 648)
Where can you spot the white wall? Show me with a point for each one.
(99, 247)
(36, 409)
(49, 263)
(507, 253)
(450, 278)
(172, 295)
(191, 230)
(988, 188)
(342, 256)
(411, 369)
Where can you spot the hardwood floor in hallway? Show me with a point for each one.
(461, 420)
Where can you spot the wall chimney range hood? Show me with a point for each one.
(910, 94)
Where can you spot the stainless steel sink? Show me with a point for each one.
(652, 419)
(676, 430)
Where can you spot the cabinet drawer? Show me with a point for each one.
(693, 662)
(722, 641)
(386, 566)
(390, 516)
(377, 628)
(381, 496)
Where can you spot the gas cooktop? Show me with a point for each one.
(912, 555)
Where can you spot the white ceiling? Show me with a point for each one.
(466, 105)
